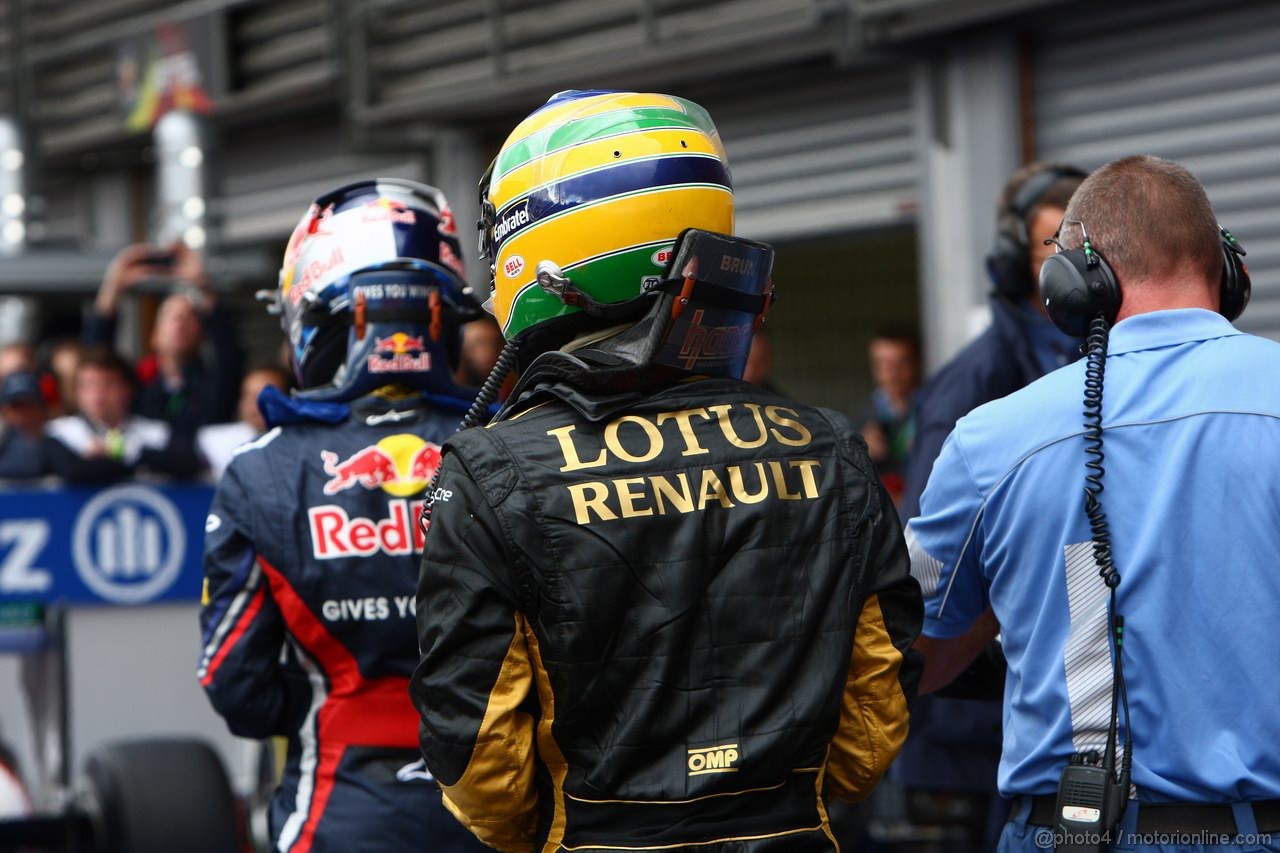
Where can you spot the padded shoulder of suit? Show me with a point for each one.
(486, 459)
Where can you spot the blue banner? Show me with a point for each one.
(128, 544)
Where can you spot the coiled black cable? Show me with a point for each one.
(474, 417)
(1094, 373)
(489, 390)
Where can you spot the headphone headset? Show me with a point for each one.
(1009, 260)
(1079, 284)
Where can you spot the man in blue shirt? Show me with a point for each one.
(1191, 416)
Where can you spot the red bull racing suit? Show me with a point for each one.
(677, 620)
(311, 560)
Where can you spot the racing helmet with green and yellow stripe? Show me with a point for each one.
(599, 184)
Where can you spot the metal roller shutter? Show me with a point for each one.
(813, 158)
(463, 59)
(266, 184)
(279, 49)
(72, 51)
(8, 99)
(1178, 80)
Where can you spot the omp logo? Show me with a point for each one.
(713, 759)
(128, 543)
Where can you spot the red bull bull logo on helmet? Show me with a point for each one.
(451, 260)
(447, 225)
(401, 465)
(388, 210)
(400, 353)
(311, 271)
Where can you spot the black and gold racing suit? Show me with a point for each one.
(661, 620)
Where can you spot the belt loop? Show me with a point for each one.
(1247, 826)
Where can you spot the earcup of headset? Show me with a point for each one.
(1233, 297)
(1075, 290)
(1009, 266)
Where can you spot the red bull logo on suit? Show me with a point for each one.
(335, 533)
(400, 465)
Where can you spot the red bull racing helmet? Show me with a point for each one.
(372, 292)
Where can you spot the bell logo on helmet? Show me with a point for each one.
(662, 256)
(514, 266)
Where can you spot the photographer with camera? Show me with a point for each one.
(1167, 577)
(178, 382)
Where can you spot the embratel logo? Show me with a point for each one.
(512, 221)
(128, 544)
(713, 759)
(401, 465)
(399, 353)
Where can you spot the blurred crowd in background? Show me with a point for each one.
(74, 408)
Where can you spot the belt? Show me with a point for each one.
(1169, 818)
